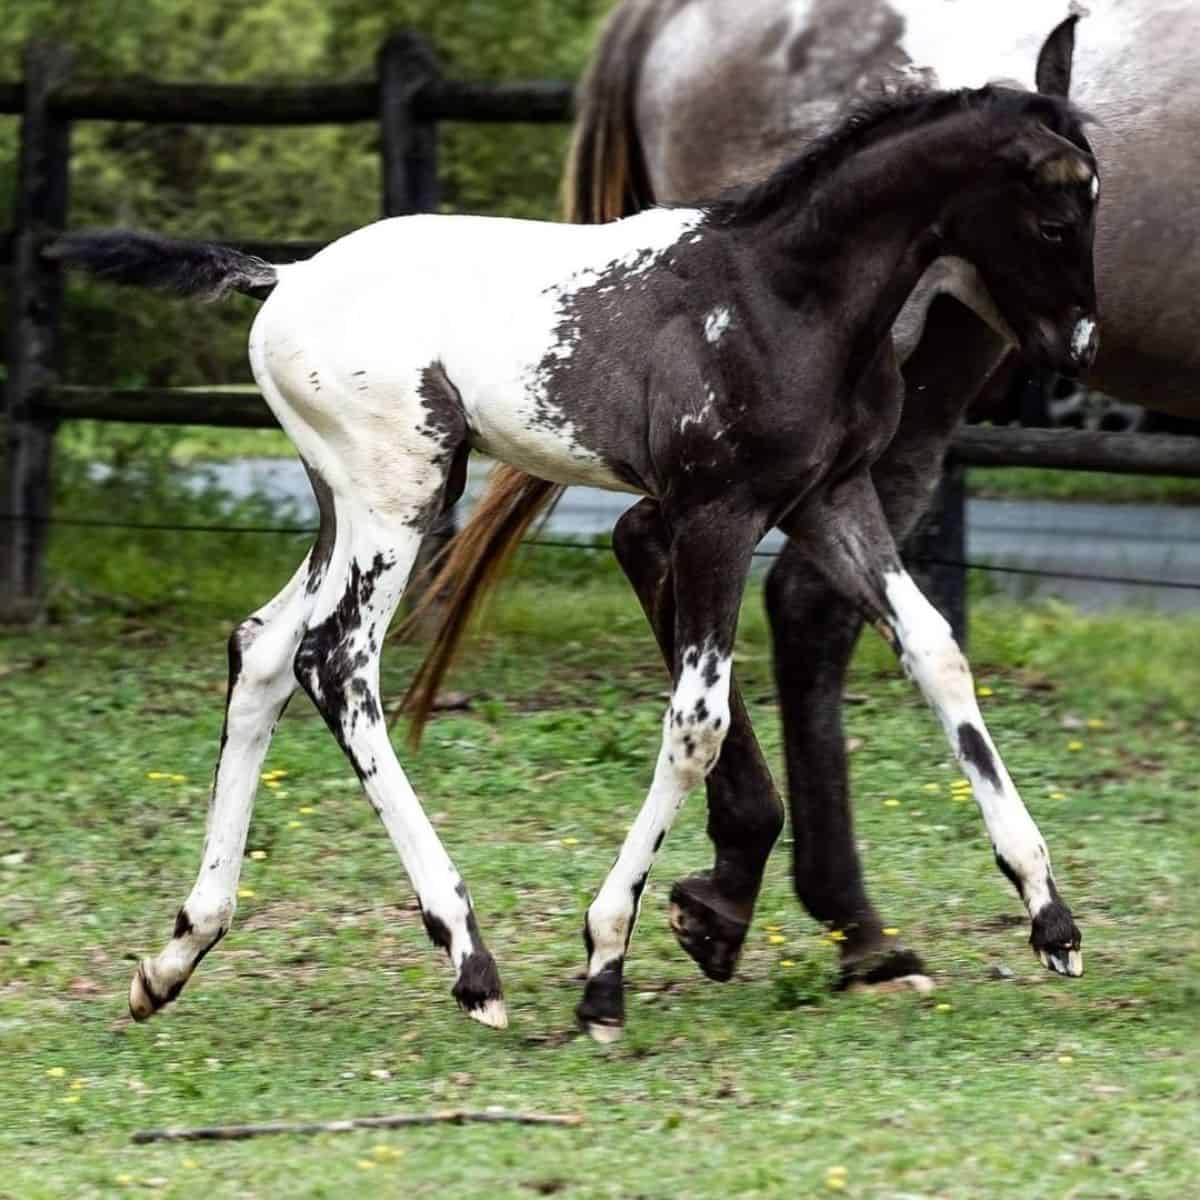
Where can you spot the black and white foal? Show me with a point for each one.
(733, 362)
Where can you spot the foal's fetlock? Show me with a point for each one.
(707, 926)
(601, 1012)
(477, 990)
(1056, 939)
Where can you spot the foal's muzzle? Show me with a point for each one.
(1085, 341)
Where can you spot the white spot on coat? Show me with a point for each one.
(716, 323)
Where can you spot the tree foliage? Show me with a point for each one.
(270, 183)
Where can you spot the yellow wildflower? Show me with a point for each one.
(835, 1178)
(258, 855)
(190, 1163)
(836, 935)
(1065, 1059)
(942, 1007)
(306, 810)
(892, 802)
(123, 1179)
(156, 774)
(177, 778)
(984, 691)
(55, 1072)
(273, 783)
(570, 841)
(776, 939)
(245, 893)
(890, 931)
(365, 1164)
(1058, 795)
(1075, 745)
(933, 787)
(295, 824)
(786, 962)
(76, 1084)
(386, 1153)
(72, 1098)
(1095, 723)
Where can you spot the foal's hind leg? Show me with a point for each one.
(710, 910)
(337, 664)
(260, 682)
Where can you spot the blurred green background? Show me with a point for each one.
(276, 183)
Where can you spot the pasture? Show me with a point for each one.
(328, 1001)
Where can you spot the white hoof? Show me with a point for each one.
(1071, 964)
(141, 1003)
(491, 1013)
(606, 1035)
(902, 983)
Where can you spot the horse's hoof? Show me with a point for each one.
(1063, 961)
(889, 969)
(491, 1013)
(477, 990)
(709, 936)
(1056, 939)
(144, 1001)
(603, 1032)
(921, 984)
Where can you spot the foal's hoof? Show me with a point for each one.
(144, 998)
(602, 1032)
(712, 937)
(601, 1012)
(477, 990)
(1056, 940)
(889, 969)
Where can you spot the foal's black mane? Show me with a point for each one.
(872, 121)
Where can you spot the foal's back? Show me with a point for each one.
(360, 346)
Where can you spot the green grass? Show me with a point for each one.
(327, 1000)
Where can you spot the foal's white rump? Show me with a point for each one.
(340, 344)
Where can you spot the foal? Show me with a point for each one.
(733, 362)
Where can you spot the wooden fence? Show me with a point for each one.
(408, 99)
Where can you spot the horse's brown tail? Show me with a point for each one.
(606, 175)
(475, 562)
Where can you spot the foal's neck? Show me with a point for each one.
(867, 233)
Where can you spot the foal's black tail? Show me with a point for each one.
(149, 260)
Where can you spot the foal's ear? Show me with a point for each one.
(1054, 61)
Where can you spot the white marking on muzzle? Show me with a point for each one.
(1081, 339)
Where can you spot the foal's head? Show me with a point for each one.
(1028, 225)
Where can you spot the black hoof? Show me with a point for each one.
(705, 928)
(477, 990)
(601, 1012)
(1056, 939)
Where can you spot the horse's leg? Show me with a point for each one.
(260, 683)
(815, 629)
(710, 557)
(710, 910)
(337, 664)
(860, 559)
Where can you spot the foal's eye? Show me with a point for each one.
(1052, 231)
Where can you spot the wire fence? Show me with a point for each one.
(559, 544)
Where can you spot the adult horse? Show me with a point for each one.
(685, 97)
(732, 361)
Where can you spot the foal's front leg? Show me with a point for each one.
(848, 538)
(710, 909)
(710, 558)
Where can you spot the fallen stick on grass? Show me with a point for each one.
(452, 1116)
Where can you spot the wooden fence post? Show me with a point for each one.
(406, 64)
(938, 547)
(35, 306)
